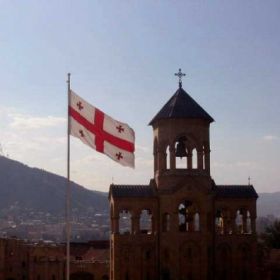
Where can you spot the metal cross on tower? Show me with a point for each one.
(180, 75)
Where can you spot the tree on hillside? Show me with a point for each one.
(271, 236)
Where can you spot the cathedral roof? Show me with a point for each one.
(132, 191)
(236, 191)
(181, 105)
(222, 191)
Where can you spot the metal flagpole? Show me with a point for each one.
(68, 191)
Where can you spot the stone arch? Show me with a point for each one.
(239, 221)
(223, 222)
(248, 222)
(241, 216)
(145, 221)
(191, 140)
(125, 221)
(194, 151)
(187, 209)
(181, 162)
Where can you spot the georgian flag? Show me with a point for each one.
(101, 132)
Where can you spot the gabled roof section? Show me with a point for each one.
(132, 191)
(236, 191)
(182, 106)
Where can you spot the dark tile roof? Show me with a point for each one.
(132, 191)
(181, 105)
(236, 191)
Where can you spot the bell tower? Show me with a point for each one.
(181, 139)
(182, 225)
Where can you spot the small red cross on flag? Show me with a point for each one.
(101, 132)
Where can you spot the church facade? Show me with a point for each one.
(182, 225)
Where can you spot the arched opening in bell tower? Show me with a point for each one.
(168, 157)
(194, 159)
(146, 221)
(181, 153)
(125, 224)
(188, 216)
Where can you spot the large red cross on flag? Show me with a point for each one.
(101, 132)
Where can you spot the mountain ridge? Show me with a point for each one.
(40, 190)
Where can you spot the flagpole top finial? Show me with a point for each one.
(68, 78)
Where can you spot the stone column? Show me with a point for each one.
(233, 225)
(229, 229)
(161, 161)
(135, 224)
(253, 224)
(190, 221)
(244, 222)
(189, 159)
(207, 160)
(172, 157)
(200, 160)
(155, 161)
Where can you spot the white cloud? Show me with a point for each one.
(270, 138)
(31, 139)
(21, 121)
(141, 148)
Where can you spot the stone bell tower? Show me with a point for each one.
(181, 130)
(182, 178)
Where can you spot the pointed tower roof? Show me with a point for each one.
(181, 106)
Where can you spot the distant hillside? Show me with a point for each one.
(269, 204)
(33, 188)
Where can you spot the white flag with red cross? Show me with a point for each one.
(101, 132)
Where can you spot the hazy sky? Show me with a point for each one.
(123, 56)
